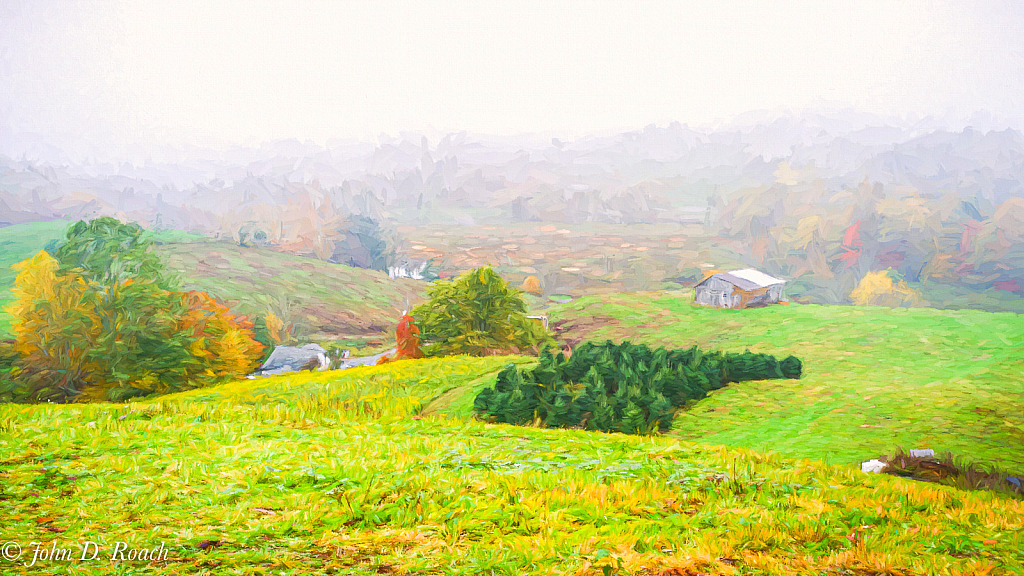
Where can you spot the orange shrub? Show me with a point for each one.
(407, 341)
(531, 284)
(223, 344)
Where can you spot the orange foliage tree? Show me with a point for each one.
(531, 284)
(407, 341)
(222, 344)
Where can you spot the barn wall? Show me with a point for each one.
(746, 296)
(769, 294)
(721, 294)
(717, 293)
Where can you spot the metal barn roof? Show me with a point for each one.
(746, 279)
(757, 277)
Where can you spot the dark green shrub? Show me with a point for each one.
(619, 387)
(262, 335)
(8, 356)
(792, 367)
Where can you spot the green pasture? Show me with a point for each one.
(344, 473)
(874, 378)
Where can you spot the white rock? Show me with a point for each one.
(872, 466)
(924, 453)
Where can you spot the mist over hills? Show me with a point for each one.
(822, 200)
(655, 174)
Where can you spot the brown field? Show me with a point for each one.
(573, 259)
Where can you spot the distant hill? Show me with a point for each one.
(821, 201)
(322, 300)
(656, 174)
(319, 298)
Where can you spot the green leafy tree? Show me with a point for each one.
(478, 314)
(108, 251)
(133, 333)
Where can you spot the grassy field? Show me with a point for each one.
(874, 378)
(341, 473)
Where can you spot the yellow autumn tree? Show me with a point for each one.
(44, 300)
(878, 288)
(709, 273)
(275, 328)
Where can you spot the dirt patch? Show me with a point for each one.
(568, 331)
(951, 471)
(337, 322)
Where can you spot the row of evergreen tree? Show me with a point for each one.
(619, 387)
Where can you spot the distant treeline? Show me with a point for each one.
(828, 241)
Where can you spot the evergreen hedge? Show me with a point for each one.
(619, 387)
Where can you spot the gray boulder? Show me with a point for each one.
(293, 358)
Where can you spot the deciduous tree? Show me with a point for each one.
(477, 313)
(101, 321)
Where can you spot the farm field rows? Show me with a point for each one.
(585, 257)
(339, 472)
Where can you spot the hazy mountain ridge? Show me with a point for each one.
(637, 176)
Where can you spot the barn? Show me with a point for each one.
(747, 288)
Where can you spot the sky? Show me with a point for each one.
(222, 72)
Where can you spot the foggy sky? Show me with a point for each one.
(211, 73)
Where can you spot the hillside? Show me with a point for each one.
(874, 378)
(340, 473)
(321, 299)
